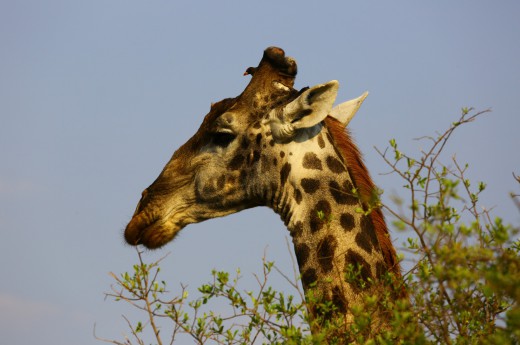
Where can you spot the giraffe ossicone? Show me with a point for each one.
(287, 149)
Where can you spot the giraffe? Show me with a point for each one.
(289, 150)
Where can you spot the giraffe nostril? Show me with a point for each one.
(141, 202)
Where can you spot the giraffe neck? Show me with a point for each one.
(318, 203)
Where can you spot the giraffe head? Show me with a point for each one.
(236, 158)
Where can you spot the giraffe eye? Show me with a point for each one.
(222, 139)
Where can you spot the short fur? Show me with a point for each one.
(366, 188)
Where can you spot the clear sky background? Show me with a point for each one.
(96, 95)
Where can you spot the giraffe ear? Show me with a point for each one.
(309, 109)
(345, 112)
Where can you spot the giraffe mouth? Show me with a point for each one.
(151, 233)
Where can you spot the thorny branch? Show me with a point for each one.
(142, 292)
(419, 176)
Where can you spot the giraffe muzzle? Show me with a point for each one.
(145, 231)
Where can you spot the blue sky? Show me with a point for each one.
(96, 95)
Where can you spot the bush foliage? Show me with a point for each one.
(462, 273)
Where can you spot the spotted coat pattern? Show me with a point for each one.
(235, 161)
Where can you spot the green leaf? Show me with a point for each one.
(139, 327)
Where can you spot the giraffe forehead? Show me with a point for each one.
(250, 110)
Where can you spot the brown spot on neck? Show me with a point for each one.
(311, 161)
(366, 188)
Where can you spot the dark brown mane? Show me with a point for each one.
(366, 188)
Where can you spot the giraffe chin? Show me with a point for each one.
(152, 235)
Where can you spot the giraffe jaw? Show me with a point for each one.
(153, 231)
